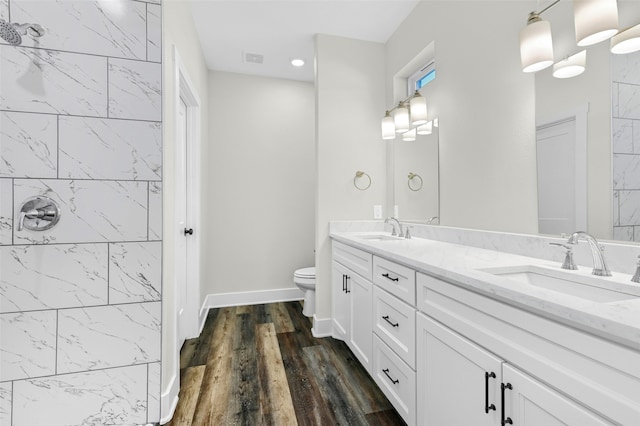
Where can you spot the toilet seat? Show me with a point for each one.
(305, 272)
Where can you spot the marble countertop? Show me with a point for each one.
(461, 265)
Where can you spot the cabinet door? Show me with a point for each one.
(361, 328)
(458, 383)
(530, 403)
(340, 302)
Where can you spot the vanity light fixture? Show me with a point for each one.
(418, 109)
(388, 127)
(297, 62)
(595, 20)
(627, 41)
(536, 44)
(409, 136)
(570, 67)
(401, 117)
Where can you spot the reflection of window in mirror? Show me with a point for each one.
(422, 77)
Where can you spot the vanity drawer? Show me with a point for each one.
(395, 324)
(396, 279)
(358, 261)
(396, 379)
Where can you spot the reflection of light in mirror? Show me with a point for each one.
(426, 129)
(435, 122)
(595, 20)
(571, 66)
(114, 7)
(628, 41)
(409, 136)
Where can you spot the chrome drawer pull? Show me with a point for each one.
(386, 318)
(389, 278)
(394, 381)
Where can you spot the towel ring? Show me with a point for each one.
(359, 175)
(411, 177)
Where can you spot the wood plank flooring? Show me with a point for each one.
(260, 365)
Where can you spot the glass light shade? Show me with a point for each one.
(425, 129)
(536, 46)
(401, 118)
(595, 20)
(388, 127)
(409, 136)
(570, 67)
(418, 109)
(627, 41)
(435, 122)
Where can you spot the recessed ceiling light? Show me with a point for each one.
(297, 62)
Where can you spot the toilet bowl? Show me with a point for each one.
(305, 279)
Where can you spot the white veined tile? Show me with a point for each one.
(28, 145)
(98, 148)
(135, 272)
(629, 207)
(5, 403)
(626, 171)
(616, 208)
(38, 80)
(626, 68)
(4, 14)
(108, 336)
(155, 211)
(154, 33)
(135, 90)
(629, 101)
(636, 136)
(614, 99)
(108, 397)
(153, 399)
(27, 345)
(623, 233)
(6, 220)
(91, 211)
(106, 28)
(36, 277)
(622, 136)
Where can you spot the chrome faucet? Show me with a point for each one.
(433, 219)
(599, 263)
(389, 220)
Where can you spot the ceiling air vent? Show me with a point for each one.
(254, 58)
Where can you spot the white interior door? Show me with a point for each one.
(561, 170)
(182, 203)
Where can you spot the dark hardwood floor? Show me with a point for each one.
(260, 365)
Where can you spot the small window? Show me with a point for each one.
(422, 77)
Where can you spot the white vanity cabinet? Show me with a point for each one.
(352, 300)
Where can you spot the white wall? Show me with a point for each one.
(260, 200)
(485, 105)
(179, 32)
(349, 106)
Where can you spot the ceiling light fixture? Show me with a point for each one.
(536, 44)
(627, 41)
(595, 20)
(297, 62)
(570, 67)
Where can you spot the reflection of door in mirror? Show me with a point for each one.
(561, 170)
(625, 72)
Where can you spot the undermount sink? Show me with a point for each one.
(380, 237)
(596, 289)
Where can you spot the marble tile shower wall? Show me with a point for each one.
(626, 146)
(81, 122)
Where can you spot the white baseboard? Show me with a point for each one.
(248, 298)
(169, 400)
(322, 327)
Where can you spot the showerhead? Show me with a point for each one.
(12, 33)
(9, 33)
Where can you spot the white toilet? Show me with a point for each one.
(305, 279)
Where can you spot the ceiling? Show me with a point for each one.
(284, 30)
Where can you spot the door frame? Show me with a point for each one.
(186, 91)
(579, 115)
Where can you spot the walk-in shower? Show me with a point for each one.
(12, 33)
